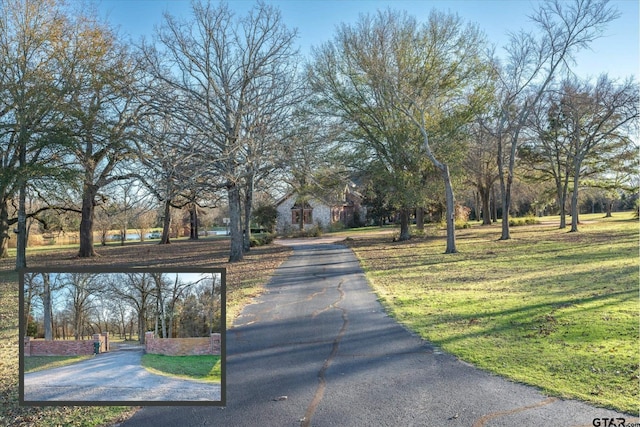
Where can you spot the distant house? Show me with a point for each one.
(342, 207)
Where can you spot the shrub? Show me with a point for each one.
(460, 224)
(418, 233)
(261, 239)
(525, 220)
(336, 226)
(314, 231)
(462, 218)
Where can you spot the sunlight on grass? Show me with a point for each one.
(553, 309)
(39, 363)
(203, 368)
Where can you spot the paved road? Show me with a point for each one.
(317, 349)
(115, 376)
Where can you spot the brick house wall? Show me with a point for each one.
(182, 346)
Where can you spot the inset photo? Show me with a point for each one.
(140, 336)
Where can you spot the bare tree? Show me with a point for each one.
(81, 290)
(533, 61)
(173, 168)
(139, 291)
(480, 162)
(101, 114)
(222, 65)
(597, 120)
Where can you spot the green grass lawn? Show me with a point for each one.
(245, 280)
(39, 363)
(203, 368)
(549, 308)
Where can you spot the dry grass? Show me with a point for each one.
(245, 280)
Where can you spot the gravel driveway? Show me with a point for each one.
(114, 377)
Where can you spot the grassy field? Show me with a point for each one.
(244, 281)
(549, 308)
(203, 368)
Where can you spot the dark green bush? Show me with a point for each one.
(261, 239)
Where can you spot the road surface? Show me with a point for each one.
(116, 377)
(317, 349)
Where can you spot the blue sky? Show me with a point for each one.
(616, 54)
(60, 297)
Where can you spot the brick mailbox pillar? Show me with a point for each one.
(215, 343)
(27, 346)
(148, 340)
(106, 341)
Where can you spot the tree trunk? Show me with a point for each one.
(494, 205)
(609, 208)
(574, 203)
(562, 202)
(77, 324)
(248, 205)
(404, 225)
(155, 330)
(505, 185)
(142, 325)
(301, 218)
(170, 329)
(506, 203)
(420, 218)
(166, 223)
(235, 223)
(86, 223)
(21, 251)
(485, 197)
(123, 324)
(505, 192)
(47, 306)
(163, 321)
(193, 222)
(4, 230)
(563, 190)
(451, 212)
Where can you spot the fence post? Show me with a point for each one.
(27, 346)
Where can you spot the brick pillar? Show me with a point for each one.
(106, 341)
(148, 340)
(27, 346)
(215, 343)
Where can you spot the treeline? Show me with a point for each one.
(219, 109)
(77, 305)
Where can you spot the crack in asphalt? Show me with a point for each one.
(482, 420)
(256, 317)
(322, 383)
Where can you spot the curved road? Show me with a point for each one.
(318, 349)
(115, 377)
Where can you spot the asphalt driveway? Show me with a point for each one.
(115, 376)
(318, 349)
